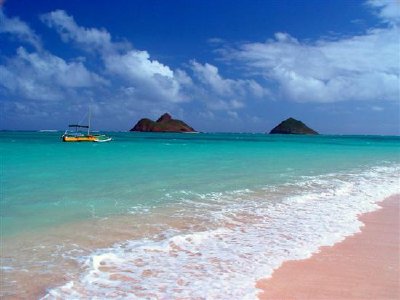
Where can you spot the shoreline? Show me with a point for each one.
(363, 266)
(38, 286)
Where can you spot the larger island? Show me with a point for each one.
(164, 124)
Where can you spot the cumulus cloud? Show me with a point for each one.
(148, 78)
(19, 29)
(40, 75)
(43, 76)
(88, 38)
(387, 10)
(377, 108)
(122, 78)
(362, 67)
(224, 93)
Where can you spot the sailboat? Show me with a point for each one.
(78, 136)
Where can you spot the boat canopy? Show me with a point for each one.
(78, 126)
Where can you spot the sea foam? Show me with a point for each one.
(250, 234)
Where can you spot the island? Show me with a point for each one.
(164, 124)
(292, 126)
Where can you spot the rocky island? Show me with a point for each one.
(164, 124)
(292, 126)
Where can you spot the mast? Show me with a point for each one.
(88, 131)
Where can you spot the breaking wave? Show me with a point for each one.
(247, 235)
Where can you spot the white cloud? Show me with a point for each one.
(208, 75)
(137, 65)
(223, 93)
(233, 114)
(363, 67)
(216, 41)
(134, 80)
(377, 108)
(149, 78)
(39, 75)
(43, 76)
(387, 10)
(89, 38)
(21, 30)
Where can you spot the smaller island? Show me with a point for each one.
(164, 124)
(292, 126)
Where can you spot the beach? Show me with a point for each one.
(363, 266)
(174, 216)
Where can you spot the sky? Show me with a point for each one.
(221, 66)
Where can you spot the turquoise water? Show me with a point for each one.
(46, 182)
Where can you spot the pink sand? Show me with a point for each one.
(363, 266)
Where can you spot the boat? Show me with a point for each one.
(78, 136)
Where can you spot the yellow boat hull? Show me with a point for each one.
(89, 138)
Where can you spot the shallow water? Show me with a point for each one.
(179, 215)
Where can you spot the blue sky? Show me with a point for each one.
(240, 66)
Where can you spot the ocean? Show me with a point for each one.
(178, 216)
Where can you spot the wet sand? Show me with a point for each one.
(363, 266)
(98, 233)
(31, 277)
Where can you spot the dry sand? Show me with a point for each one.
(363, 266)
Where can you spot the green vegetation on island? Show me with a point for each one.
(292, 126)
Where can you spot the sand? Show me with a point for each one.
(363, 266)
